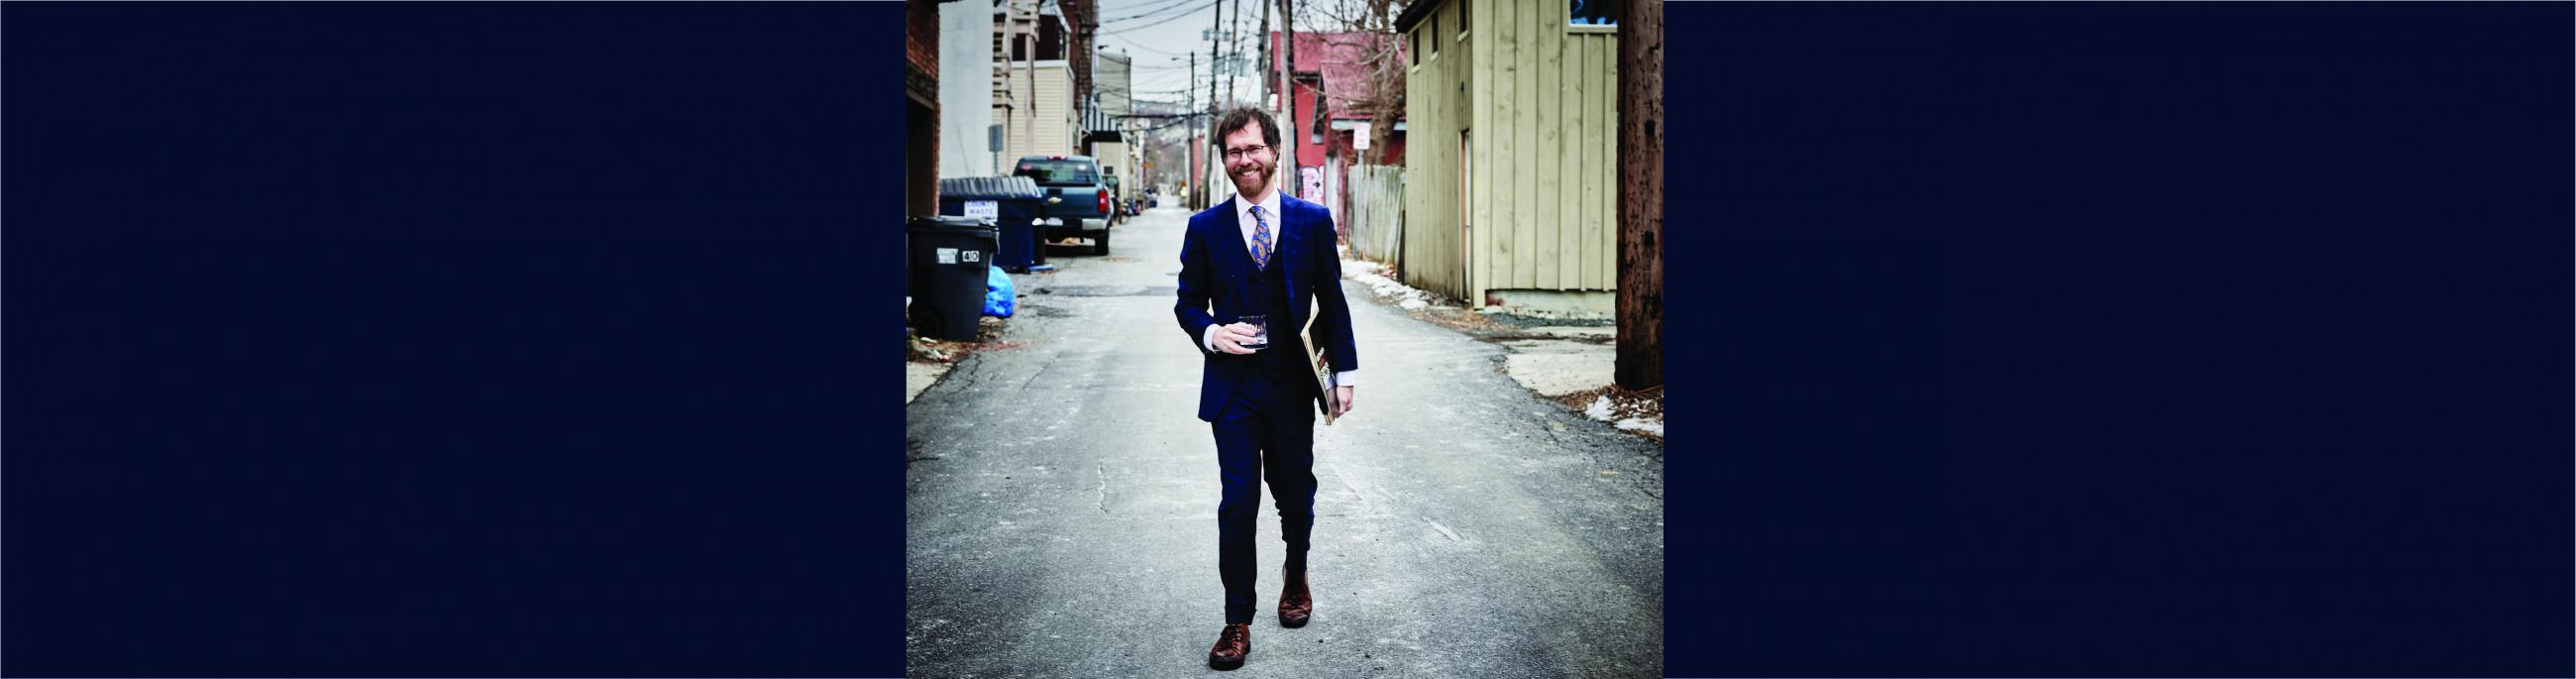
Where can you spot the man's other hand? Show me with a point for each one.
(1230, 338)
(1345, 396)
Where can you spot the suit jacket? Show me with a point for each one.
(1215, 272)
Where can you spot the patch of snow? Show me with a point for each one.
(1413, 304)
(1373, 275)
(1654, 426)
(1600, 408)
(919, 376)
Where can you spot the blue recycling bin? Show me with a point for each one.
(1011, 204)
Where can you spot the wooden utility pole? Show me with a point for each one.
(1288, 85)
(1640, 360)
(1233, 49)
(1264, 64)
(1197, 176)
(1278, 60)
(1215, 147)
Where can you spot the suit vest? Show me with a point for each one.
(1286, 358)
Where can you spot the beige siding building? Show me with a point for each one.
(1044, 121)
(1510, 163)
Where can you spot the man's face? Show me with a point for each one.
(1248, 161)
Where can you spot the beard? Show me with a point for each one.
(1251, 186)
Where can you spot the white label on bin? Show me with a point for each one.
(947, 255)
(970, 256)
(987, 209)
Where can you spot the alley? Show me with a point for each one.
(1061, 503)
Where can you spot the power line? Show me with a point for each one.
(1184, 5)
(1150, 25)
(1131, 42)
(1157, 9)
(1132, 89)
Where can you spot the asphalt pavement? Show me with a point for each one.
(1061, 504)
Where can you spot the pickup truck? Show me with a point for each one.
(1077, 200)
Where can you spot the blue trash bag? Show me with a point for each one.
(1000, 298)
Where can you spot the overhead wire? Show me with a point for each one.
(1138, 27)
(1159, 10)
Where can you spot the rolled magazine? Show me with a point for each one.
(1327, 399)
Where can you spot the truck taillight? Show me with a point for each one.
(1104, 201)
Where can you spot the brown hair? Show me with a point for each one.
(1234, 120)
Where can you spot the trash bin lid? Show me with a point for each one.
(990, 188)
(948, 223)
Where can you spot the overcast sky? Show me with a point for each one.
(1159, 34)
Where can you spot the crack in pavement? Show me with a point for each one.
(1100, 470)
(1444, 530)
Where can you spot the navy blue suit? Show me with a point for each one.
(1261, 407)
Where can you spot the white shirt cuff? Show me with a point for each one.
(1346, 378)
(1207, 338)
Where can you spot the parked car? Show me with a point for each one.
(1117, 200)
(1077, 198)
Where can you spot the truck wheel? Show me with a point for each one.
(1100, 244)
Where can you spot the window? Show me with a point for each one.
(1463, 21)
(1416, 52)
(1057, 171)
(1593, 13)
(1435, 34)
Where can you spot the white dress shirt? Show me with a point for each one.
(1269, 203)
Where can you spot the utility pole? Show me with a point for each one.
(1233, 50)
(1215, 146)
(1196, 181)
(1265, 55)
(1277, 74)
(1640, 358)
(1288, 85)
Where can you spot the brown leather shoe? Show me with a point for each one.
(1232, 646)
(1295, 603)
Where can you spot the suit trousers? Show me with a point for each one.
(1266, 429)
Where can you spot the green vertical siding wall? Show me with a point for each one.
(1537, 98)
(1435, 110)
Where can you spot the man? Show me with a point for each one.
(1262, 254)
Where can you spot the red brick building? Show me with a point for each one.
(921, 107)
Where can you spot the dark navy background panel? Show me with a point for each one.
(2066, 340)
(2166, 339)
(476, 339)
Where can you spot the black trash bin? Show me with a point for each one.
(947, 264)
(1014, 205)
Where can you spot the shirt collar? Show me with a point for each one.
(1269, 202)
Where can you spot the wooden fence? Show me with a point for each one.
(1376, 213)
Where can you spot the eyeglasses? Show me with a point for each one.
(1240, 153)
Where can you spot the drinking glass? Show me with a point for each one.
(1260, 332)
